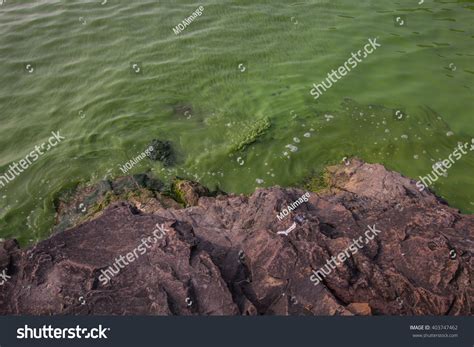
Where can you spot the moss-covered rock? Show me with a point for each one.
(318, 182)
(188, 192)
(75, 205)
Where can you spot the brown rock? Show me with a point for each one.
(189, 192)
(360, 308)
(224, 256)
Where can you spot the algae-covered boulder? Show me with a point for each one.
(162, 151)
(84, 202)
(188, 192)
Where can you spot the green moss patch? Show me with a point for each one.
(250, 133)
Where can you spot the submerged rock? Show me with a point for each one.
(183, 110)
(162, 151)
(224, 256)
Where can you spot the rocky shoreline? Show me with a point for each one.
(222, 254)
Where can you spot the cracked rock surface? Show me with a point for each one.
(223, 256)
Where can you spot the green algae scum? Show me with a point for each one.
(231, 93)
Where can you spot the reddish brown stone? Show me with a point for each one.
(224, 256)
(360, 309)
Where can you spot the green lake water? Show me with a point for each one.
(239, 65)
